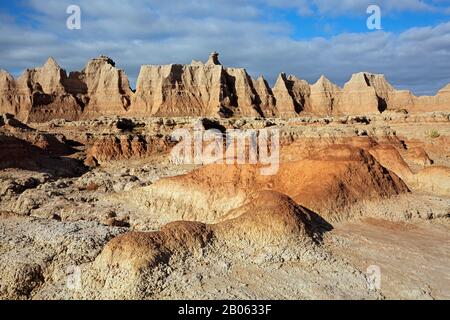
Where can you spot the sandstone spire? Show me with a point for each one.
(213, 59)
(267, 103)
(286, 106)
(7, 93)
(51, 63)
(324, 97)
(365, 93)
(108, 88)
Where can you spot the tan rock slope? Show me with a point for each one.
(197, 89)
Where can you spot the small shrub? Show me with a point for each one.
(434, 134)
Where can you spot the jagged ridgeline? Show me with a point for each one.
(199, 89)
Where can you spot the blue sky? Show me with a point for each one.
(304, 38)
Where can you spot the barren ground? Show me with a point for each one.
(88, 203)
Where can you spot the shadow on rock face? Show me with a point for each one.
(20, 154)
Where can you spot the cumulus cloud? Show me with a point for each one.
(160, 32)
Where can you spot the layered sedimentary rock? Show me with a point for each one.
(127, 147)
(8, 99)
(39, 95)
(368, 93)
(364, 94)
(439, 102)
(325, 97)
(177, 90)
(295, 96)
(47, 93)
(197, 89)
(286, 106)
(108, 89)
(266, 99)
(243, 93)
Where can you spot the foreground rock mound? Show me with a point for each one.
(268, 220)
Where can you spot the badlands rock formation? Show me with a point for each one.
(95, 205)
(195, 90)
(47, 93)
(350, 192)
(39, 95)
(198, 89)
(108, 90)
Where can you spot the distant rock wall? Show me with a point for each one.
(199, 89)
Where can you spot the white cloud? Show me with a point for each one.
(356, 7)
(158, 32)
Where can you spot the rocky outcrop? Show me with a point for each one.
(439, 102)
(39, 95)
(108, 89)
(177, 90)
(242, 93)
(197, 89)
(47, 93)
(8, 97)
(265, 98)
(127, 147)
(368, 93)
(286, 106)
(325, 97)
(365, 93)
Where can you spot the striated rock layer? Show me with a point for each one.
(198, 89)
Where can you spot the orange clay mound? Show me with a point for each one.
(326, 182)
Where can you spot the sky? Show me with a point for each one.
(299, 37)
